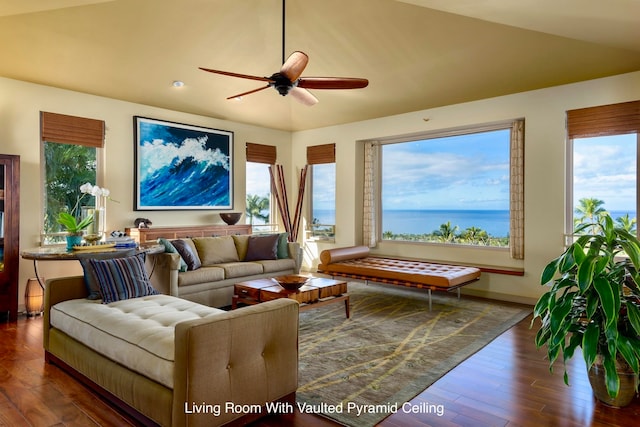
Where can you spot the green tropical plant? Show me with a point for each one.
(593, 301)
(67, 167)
(69, 222)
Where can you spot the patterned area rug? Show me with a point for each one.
(359, 370)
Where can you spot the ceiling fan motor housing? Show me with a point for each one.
(282, 84)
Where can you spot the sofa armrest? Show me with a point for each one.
(163, 272)
(57, 290)
(247, 356)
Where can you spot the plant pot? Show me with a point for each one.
(73, 240)
(628, 385)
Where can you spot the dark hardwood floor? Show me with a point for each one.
(507, 383)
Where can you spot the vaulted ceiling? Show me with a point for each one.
(417, 54)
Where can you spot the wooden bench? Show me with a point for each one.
(356, 262)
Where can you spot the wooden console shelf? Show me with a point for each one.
(142, 235)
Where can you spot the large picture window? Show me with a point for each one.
(461, 186)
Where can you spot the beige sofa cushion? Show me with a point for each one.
(137, 333)
(216, 250)
(271, 266)
(241, 269)
(202, 275)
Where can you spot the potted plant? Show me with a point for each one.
(73, 227)
(594, 303)
(68, 220)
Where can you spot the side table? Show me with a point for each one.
(60, 253)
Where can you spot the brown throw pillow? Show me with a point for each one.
(262, 247)
(187, 253)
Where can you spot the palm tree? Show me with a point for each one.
(255, 206)
(446, 233)
(387, 235)
(475, 235)
(591, 211)
(627, 223)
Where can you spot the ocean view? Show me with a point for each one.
(494, 222)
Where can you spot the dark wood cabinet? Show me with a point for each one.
(9, 234)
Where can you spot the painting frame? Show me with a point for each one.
(171, 157)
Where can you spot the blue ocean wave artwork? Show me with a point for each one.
(183, 167)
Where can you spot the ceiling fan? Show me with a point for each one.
(288, 80)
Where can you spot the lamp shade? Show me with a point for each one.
(34, 297)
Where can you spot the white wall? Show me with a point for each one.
(544, 113)
(20, 106)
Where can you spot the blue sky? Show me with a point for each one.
(605, 168)
(258, 180)
(471, 172)
(464, 172)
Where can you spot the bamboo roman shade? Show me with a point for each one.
(260, 153)
(604, 120)
(317, 154)
(65, 129)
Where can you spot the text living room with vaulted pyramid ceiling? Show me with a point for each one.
(387, 151)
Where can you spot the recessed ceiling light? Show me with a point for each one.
(177, 83)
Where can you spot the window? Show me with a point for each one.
(453, 187)
(321, 159)
(258, 210)
(603, 165)
(71, 152)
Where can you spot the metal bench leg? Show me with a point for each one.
(429, 291)
(458, 293)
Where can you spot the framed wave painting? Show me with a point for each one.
(180, 167)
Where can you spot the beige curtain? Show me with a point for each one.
(516, 228)
(369, 222)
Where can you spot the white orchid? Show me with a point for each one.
(96, 191)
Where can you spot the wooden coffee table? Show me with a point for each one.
(317, 292)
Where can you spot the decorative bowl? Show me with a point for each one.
(291, 282)
(231, 217)
(92, 238)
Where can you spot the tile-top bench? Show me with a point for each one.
(357, 263)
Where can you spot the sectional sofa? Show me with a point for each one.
(170, 362)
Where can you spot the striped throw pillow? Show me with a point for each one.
(122, 278)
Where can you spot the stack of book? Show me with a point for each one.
(122, 242)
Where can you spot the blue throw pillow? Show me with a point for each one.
(90, 280)
(122, 278)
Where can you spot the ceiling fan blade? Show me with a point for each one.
(294, 65)
(332, 83)
(242, 76)
(249, 92)
(303, 96)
